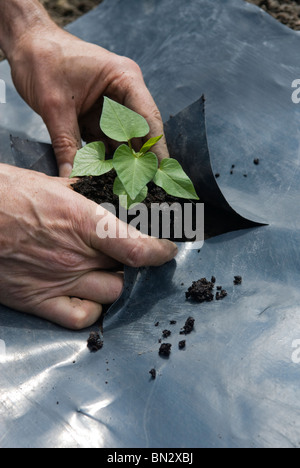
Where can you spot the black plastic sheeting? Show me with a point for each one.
(236, 382)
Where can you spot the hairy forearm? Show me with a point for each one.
(18, 18)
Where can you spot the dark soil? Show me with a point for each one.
(188, 327)
(94, 342)
(285, 11)
(165, 350)
(203, 290)
(238, 280)
(221, 295)
(100, 190)
(153, 373)
(64, 12)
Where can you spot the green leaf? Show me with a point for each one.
(90, 161)
(134, 172)
(125, 199)
(148, 145)
(172, 178)
(122, 124)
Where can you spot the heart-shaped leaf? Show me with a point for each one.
(133, 170)
(125, 199)
(120, 123)
(172, 178)
(90, 161)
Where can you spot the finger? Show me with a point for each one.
(71, 313)
(98, 286)
(65, 135)
(124, 243)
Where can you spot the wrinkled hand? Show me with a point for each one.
(64, 80)
(53, 264)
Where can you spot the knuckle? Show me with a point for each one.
(64, 147)
(127, 72)
(129, 66)
(50, 102)
(63, 142)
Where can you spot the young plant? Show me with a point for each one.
(134, 169)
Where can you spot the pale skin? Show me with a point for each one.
(53, 264)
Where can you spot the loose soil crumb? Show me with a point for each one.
(201, 291)
(165, 349)
(237, 280)
(188, 327)
(181, 344)
(221, 295)
(153, 373)
(94, 342)
(166, 333)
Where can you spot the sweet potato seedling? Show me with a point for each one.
(134, 170)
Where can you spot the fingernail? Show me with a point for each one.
(170, 246)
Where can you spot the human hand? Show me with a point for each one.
(64, 80)
(53, 264)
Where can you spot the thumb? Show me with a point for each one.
(66, 138)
